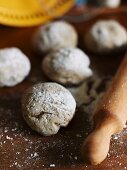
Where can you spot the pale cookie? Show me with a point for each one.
(54, 35)
(47, 107)
(14, 66)
(109, 3)
(106, 36)
(67, 66)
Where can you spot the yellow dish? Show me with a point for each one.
(31, 12)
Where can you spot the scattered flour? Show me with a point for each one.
(54, 152)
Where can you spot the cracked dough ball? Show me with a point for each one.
(14, 66)
(47, 107)
(54, 35)
(106, 36)
(67, 66)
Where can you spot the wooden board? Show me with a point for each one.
(22, 148)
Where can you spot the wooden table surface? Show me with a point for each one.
(22, 148)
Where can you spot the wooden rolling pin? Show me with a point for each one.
(109, 118)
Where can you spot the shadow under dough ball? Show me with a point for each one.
(106, 36)
(48, 106)
(55, 35)
(14, 66)
(67, 66)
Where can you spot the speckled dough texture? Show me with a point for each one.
(67, 65)
(48, 106)
(14, 66)
(106, 36)
(54, 35)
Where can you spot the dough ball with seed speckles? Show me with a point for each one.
(106, 36)
(55, 35)
(67, 66)
(48, 106)
(14, 66)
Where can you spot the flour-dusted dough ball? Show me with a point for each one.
(106, 36)
(67, 65)
(54, 35)
(47, 107)
(14, 66)
(109, 3)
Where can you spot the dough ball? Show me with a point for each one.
(54, 35)
(106, 36)
(109, 3)
(67, 65)
(47, 107)
(14, 66)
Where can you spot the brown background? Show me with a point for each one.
(20, 147)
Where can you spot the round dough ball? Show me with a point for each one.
(14, 66)
(106, 36)
(109, 3)
(67, 66)
(54, 35)
(47, 107)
